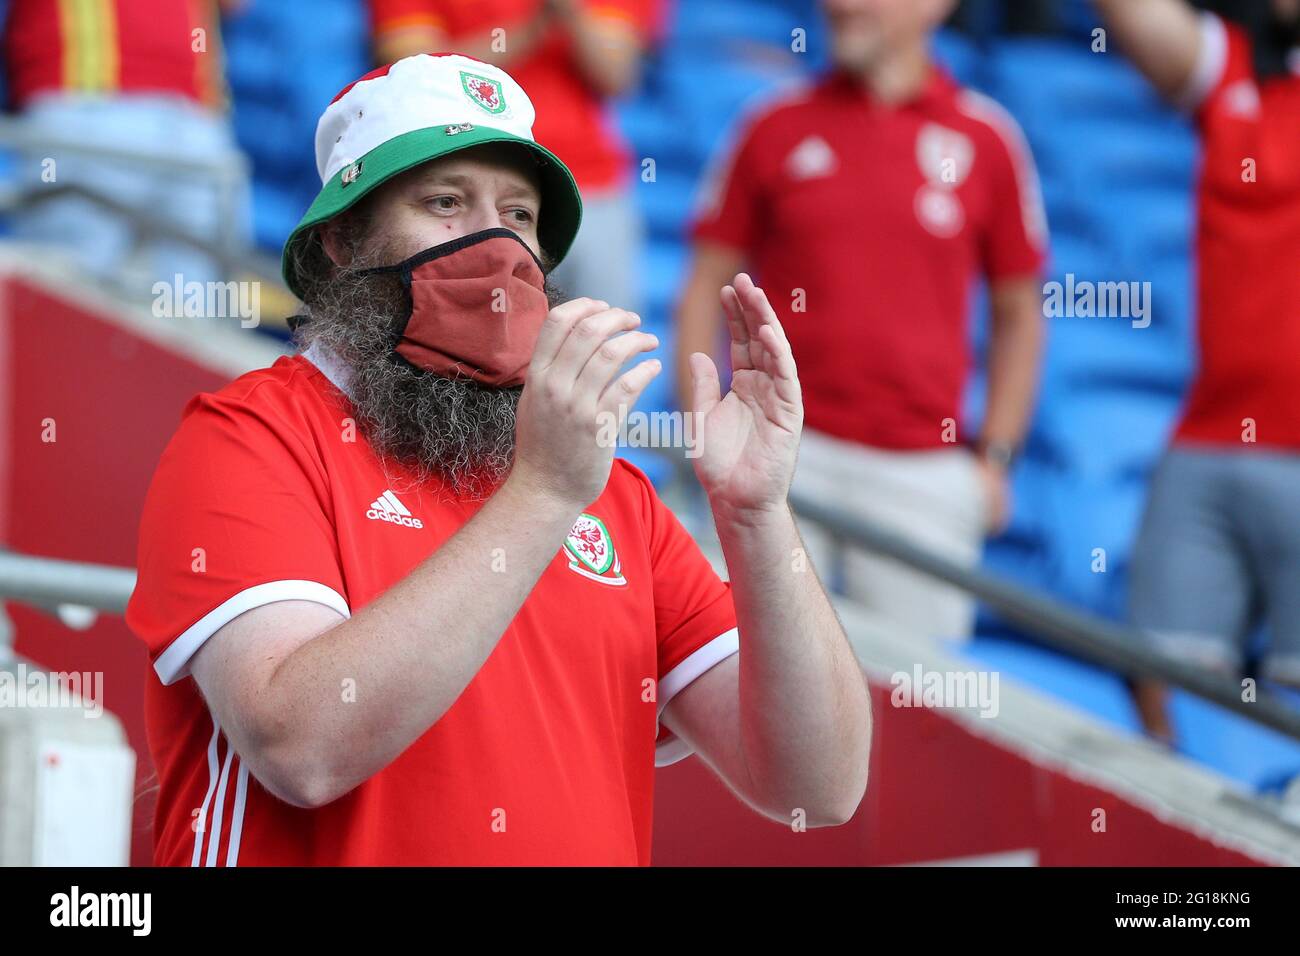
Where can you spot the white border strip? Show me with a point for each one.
(1211, 61)
(173, 663)
(705, 657)
(202, 827)
(237, 820)
(214, 841)
(1033, 215)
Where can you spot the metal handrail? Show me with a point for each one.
(17, 136)
(48, 582)
(233, 259)
(1084, 635)
(227, 171)
(1073, 631)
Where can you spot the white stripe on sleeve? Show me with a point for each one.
(714, 652)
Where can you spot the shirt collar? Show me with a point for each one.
(331, 366)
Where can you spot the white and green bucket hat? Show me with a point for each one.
(417, 109)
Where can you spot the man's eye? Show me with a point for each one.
(522, 216)
(443, 203)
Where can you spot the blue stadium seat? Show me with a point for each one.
(281, 78)
(960, 56)
(1108, 433)
(1025, 552)
(1096, 690)
(1047, 77)
(662, 275)
(1078, 17)
(708, 99)
(1093, 545)
(768, 23)
(666, 205)
(1235, 746)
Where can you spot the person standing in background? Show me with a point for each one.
(573, 56)
(144, 81)
(1219, 547)
(869, 204)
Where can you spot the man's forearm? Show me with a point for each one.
(699, 313)
(697, 327)
(606, 50)
(512, 43)
(805, 709)
(415, 648)
(1162, 37)
(1015, 354)
(506, 48)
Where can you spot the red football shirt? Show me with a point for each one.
(572, 119)
(262, 497)
(1247, 248)
(867, 225)
(113, 46)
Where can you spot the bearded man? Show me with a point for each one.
(403, 603)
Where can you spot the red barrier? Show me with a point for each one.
(114, 398)
(935, 792)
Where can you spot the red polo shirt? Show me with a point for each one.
(1248, 249)
(547, 756)
(572, 118)
(867, 225)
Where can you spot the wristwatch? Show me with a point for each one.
(1000, 453)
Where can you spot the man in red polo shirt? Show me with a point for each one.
(869, 203)
(572, 56)
(1219, 548)
(404, 608)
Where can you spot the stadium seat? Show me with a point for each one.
(281, 77)
(1097, 690)
(1238, 748)
(960, 56)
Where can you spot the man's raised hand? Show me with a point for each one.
(571, 392)
(749, 437)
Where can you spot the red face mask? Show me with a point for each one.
(477, 306)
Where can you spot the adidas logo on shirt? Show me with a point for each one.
(811, 158)
(387, 508)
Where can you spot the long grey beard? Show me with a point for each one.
(450, 428)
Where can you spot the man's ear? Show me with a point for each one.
(331, 235)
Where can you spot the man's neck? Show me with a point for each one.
(331, 366)
(898, 75)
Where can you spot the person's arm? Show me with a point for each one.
(398, 44)
(699, 317)
(1015, 352)
(789, 722)
(1162, 37)
(275, 678)
(726, 231)
(606, 48)
(407, 36)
